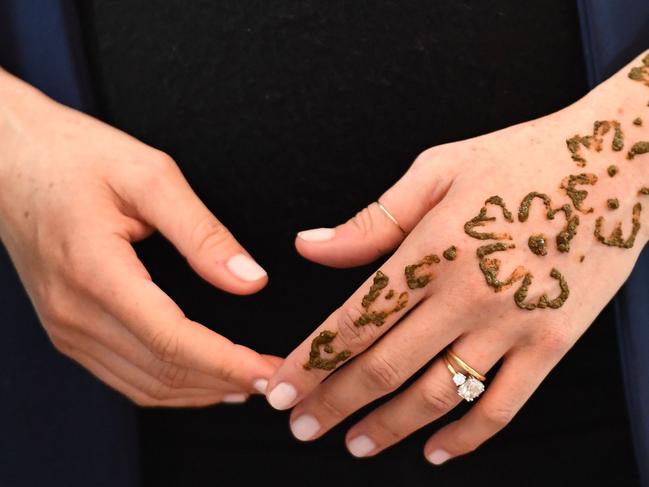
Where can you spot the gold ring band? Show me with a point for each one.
(390, 217)
(465, 366)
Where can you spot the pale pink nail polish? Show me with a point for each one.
(317, 234)
(282, 396)
(235, 398)
(305, 427)
(361, 446)
(245, 268)
(439, 456)
(260, 385)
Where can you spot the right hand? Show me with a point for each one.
(74, 194)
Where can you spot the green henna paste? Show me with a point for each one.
(450, 253)
(643, 191)
(481, 218)
(637, 121)
(637, 149)
(544, 301)
(616, 239)
(596, 140)
(641, 73)
(537, 245)
(491, 266)
(418, 281)
(613, 203)
(612, 170)
(578, 196)
(317, 361)
(566, 235)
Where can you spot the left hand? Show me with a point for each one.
(476, 304)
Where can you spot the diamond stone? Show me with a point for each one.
(459, 379)
(470, 389)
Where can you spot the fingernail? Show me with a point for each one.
(260, 385)
(235, 398)
(245, 268)
(317, 234)
(437, 457)
(305, 427)
(282, 396)
(361, 446)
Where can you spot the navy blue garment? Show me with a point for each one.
(58, 425)
(614, 32)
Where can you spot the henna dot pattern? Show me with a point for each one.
(416, 280)
(450, 253)
(537, 245)
(613, 203)
(637, 149)
(641, 73)
(377, 317)
(612, 170)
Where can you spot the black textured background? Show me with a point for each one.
(285, 115)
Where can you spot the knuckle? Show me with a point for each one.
(330, 406)
(208, 234)
(157, 167)
(352, 336)
(555, 338)
(171, 375)
(364, 222)
(438, 399)
(166, 347)
(497, 415)
(380, 374)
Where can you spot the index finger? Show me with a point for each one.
(405, 279)
(124, 289)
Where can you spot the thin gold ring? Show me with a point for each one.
(465, 366)
(390, 217)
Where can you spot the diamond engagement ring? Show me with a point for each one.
(469, 387)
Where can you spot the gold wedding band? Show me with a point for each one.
(465, 366)
(468, 388)
(390, 217)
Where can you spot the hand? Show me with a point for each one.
(504, 260)
(75, 193)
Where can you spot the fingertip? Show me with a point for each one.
(238, 274)
(341, 249)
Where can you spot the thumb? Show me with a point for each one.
(171, 206)
(382, 225)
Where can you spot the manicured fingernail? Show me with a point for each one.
(282, 396)
(245, 268)
(305, 427)
(260, 385)
(361, 446)
(317, 234)
(437, 457)
(235, 398)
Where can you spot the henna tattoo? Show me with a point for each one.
(596, 140)
(638, 148)
(643, 191)
(612, 170)
(414, 281)
(577, 196)
(317, 361)
(565, 236)
(641, 73)
(613, 203)
(615, 239)
(537, 245)
(450, 253)
(481, 218)
(544, 301)
(377, 318)
(390, 294)
(491, 266)
(581, 259)
(637, 121)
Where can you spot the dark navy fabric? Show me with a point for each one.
(58, 425)
(613, 33)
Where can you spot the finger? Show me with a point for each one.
(170, 205)
(372, 232)
(360, 321)
(519, 376)
(124, 290)
(138, 396)
(107, 338)
(378, 371)
(432, 396)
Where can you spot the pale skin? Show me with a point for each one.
(74, 195)
(444, 188)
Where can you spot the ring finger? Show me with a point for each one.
(432, 396)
